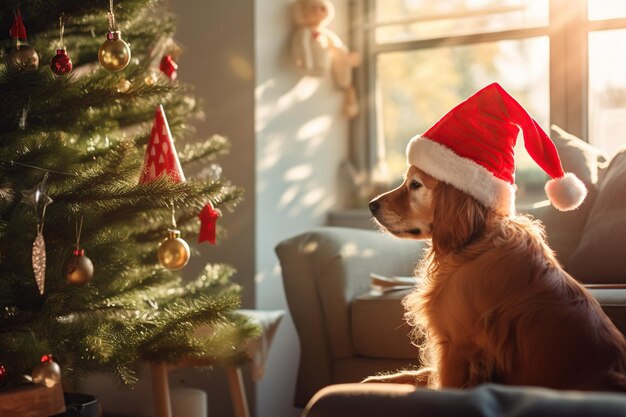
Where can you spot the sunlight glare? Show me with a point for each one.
(314, 127)
(298, 173)
(241, 68)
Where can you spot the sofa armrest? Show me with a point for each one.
(381, 400)
(323, 270)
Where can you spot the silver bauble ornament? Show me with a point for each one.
(47, 372)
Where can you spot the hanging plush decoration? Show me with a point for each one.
(61, 63)
(37, 198)
(22, 57)
(318, 50)
(208, 222)
(114, 53)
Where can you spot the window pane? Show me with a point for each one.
(607, 89)
(606, 9)
(401, 20)
(416, 88)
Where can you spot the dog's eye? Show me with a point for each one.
(414, 185)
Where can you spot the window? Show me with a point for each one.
(564, 60)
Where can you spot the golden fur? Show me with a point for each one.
(494, 304)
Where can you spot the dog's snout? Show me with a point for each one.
(374, 205)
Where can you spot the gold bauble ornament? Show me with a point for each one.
(47, 372)
(78, 269)
(173, 252)
(151, 79)
(23, 57)
(114, 53)
(123, 86)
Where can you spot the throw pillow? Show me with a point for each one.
(587, 162)
(579, 157)
(599, 259)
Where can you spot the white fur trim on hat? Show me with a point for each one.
(566, 193)
(463, 173)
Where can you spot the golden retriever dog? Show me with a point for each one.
(494, 305)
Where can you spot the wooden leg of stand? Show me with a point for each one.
(237, 391)
(161, 390)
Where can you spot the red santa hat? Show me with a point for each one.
(471, 148)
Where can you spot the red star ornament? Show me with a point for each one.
(208, 222)
(161, 157)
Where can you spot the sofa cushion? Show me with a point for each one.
(378, 327)
(588, 163)
(579, 157)
(379, 330)
(599, 257)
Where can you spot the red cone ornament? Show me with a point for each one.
(161, 157)
(61, 63)
(168, 66)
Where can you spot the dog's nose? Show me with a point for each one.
(374, 205)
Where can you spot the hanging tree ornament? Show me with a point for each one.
(161, 160)
(208, 222)
(61, 63)
(22, 57)
(78, 269)
(173, 252)
(47, 372)
(169, 67)
(123, 86)
(151, 78)
(39, 200)
(161, 157)
(114, 53)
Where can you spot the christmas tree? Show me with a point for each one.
(75, 125)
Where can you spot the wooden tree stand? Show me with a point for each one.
(160, 385)
(32, 400)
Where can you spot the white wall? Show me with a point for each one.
(301, 137)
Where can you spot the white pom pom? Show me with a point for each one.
(566, 193)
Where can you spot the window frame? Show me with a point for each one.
(567, 30)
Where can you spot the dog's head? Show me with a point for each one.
(407, 211)
(426, 208)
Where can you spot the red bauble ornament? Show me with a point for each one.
(168, 66)
(3, 372)
(61, 63)
(208, 222)
(161, 157)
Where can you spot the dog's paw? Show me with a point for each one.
(419, 377)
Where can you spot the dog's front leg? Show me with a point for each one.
(418, 377)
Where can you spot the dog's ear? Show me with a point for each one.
(458, 219)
